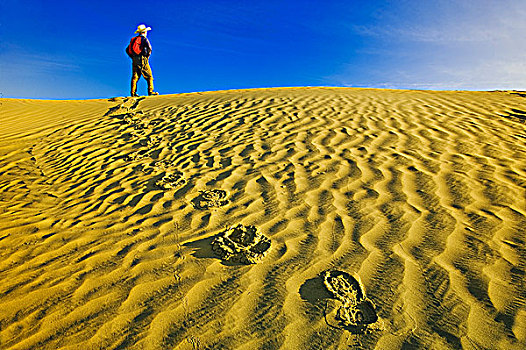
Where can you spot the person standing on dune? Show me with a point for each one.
(139, 51)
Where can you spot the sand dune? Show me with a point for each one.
(108, 209)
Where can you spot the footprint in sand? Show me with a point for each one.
(124, 107)
(158, 166)
(153, 141)
(356, 311)
(135, 120)
(135, 155)
(210, 199)
(156, 121)
(162, 164)
(242, 244)
(149, 141)
(171, 180)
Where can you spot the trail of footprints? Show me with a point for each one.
(171, 178)
(138, 121)
(239, 244)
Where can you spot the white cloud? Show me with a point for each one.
(489, 75)
(448, 21)
(461, 33)
(448, 45)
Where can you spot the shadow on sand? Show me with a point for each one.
(313, 290)
(202, 249)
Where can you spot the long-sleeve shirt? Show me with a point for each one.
(146, 46)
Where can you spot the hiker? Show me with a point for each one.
(139, 51)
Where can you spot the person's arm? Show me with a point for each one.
(147, 47)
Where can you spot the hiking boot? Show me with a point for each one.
(153, 93)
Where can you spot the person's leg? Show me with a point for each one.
(136, 73)
(147, 74)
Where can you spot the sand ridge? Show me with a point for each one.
(421, 194)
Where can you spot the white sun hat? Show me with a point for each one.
(142, 28)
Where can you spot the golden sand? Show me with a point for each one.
(108, 209)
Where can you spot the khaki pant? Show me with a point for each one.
(140, 66)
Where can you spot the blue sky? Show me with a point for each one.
(75, 49)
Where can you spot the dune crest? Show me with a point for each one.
(108, 211)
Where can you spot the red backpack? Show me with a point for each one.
(135, 49)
